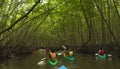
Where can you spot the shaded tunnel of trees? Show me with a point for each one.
(85, 25)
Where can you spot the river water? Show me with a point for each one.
(81, 62)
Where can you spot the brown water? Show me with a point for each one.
(81, 62)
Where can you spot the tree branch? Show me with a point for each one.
(101, 13)
(25, 15)
(116, 8)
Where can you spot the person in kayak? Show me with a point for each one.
(47, 50)
(53, 55)
(66, 52)
(101, 52)
(70, 52)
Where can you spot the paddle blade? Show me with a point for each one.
(64, 47)
(41, 63)
(96, 54)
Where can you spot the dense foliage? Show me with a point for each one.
(59, 22)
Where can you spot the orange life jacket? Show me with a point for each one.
(53, 55)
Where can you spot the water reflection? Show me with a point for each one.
(81, 62)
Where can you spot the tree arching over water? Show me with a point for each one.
(59, 22)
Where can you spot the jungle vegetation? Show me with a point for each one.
(82, 24)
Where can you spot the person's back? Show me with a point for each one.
(53, 55)
(71, 53)
(65, 53)
(101, 52)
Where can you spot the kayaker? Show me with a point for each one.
(101, 52)
(66, 53)
(53, 55)
(47, 50)
(70, 52)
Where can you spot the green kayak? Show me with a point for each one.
(51, 62)
(70, 58)
(102, 56)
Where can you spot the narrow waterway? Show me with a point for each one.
(81, 62)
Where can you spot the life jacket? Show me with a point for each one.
(101, 52)
(53, 55)
(71, 53)
(64, 54)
